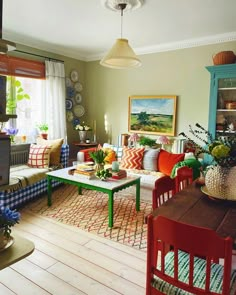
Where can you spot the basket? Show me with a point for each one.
(224, 57)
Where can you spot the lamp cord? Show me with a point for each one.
(121, 6)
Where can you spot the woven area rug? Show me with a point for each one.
(89, 212)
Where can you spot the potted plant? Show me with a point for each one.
(43, 129)
(147, 141)
(98, 156)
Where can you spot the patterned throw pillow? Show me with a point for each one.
(55, 151)
(39, 156)
(132, 158)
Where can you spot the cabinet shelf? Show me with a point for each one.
(226, 110)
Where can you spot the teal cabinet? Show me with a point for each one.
(222, 107)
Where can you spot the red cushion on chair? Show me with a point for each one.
(166, 161)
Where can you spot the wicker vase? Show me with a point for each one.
(220, 182)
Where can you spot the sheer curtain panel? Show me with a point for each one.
(54, 104)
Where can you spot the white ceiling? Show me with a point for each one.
(84, 29)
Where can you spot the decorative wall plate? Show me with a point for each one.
(78, 87)
(74, 76)
(78, 110)
(68, 82)
(70, 92)
(76, 121)
(69, 104)
(69, 116)
(78, 98)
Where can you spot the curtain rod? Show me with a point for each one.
(34, 54)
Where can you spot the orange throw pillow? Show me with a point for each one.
(132, 158)
(166, 161)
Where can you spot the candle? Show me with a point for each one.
(80, 157)
(115, 166)
(94, 131)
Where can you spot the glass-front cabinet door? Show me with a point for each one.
(222, 108)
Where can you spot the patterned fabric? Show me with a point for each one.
(17, 198)
(132, 158)
(199, 275)
(39, 156)
(55, 151)
(89, 212)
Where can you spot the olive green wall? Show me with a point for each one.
(180, 72)
(106, 91)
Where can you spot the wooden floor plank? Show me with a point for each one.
(44, 279)
(73, 261)
(19, 284)
(80, 281)
(106, 262)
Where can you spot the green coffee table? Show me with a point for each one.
(109, 187)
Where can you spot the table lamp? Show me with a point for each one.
(163, 140)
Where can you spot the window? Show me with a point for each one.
(24, 98)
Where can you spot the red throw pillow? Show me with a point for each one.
(39, 156)
(166, 161)
(132, 158)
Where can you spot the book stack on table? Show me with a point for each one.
(119, 174)
(84, 171)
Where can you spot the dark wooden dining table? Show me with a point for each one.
(194, 207)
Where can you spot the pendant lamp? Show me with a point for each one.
(121, 55)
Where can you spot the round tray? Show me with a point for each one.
(205, 191)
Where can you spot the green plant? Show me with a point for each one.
(222, 149)
(98, 156)
(103, 174)
(43, 127)
(15, 93)
(143, 140)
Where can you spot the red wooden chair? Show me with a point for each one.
(184, 176)
(181, 271)
(163, 190)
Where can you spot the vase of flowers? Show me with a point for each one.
(8, 218)
(12, 132)
(82, 128)
(220, 176)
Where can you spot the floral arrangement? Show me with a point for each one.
(98, 156)
(83, 127)
(12, 132)
(222, 149)
(8, 218)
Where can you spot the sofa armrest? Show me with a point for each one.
(86, 153)
(64, 158)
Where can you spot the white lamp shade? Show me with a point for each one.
(121, 56)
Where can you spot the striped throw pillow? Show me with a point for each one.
(39, 156)
(132, 158)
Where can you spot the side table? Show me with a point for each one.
(83, 145)
(20, 249)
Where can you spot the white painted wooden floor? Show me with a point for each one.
(68, 261)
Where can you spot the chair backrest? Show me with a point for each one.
(184, 177)
(188, 265)
(163, 190)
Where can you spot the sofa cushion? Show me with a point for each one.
(55, 151)
(166, 161)
(39, 156)
(132, 158)
(150, 159)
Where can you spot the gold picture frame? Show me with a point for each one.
(152, 114)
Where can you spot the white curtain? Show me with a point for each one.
(53, 111)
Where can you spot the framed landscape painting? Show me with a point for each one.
(152, 114)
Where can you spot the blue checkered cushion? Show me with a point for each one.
(15, 199)
(199, 275)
